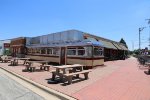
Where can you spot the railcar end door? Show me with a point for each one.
(63, 55)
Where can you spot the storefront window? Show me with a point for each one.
(98, 51)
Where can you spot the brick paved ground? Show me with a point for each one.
(126, 83)
(117, 80)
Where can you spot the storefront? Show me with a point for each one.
(18, 48)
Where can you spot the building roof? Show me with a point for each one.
(123, 46)
(116, 45)
(71, 36)
(107, 44)
(71, 43)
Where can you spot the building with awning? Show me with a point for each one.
(112, 50)
(109, 50)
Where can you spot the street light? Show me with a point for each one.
(140, 29)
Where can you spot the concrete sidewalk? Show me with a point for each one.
(12, 90)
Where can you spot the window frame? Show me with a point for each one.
(101, 50)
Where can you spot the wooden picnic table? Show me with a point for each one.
(68, 71)
(30, 65)
(14, 61)
(5, 59)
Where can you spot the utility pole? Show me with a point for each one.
(149, 32)
(132, 46)
(140, 29)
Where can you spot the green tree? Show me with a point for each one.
(123, 42)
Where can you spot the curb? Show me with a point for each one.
(42, 87)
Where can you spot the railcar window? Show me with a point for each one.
(81, 51)
(29, 50)
(37, 51)
(98, 51)
(43, 51)
(71, 52)
(49, 51)
(89, 51)
(33, 50)
(56, 51)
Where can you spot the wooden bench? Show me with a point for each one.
(14, 63)
(6, 60)
(30, 68)
(45, 67)
(70, 75)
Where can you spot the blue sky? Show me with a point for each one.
(112, 19)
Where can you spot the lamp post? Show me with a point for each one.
(140, 29)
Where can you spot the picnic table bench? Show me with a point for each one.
(45, 67)
(68, 71)
(69, 76)
(6, 60)
(31, 67)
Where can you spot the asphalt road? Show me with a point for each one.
(11, 90)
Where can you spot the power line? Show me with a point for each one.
(149, 30)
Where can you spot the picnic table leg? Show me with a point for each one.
(47, 68)
(148, 71)
(24, 62)
(64, 71)
(27, 68)
(33, 69)
(61, 78)
(86, 75)
(16, 62)
(53, 76)
(69, 79)
(11, 62)
(77, 76)
(41, 67)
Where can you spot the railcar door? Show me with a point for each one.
(63, 55)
